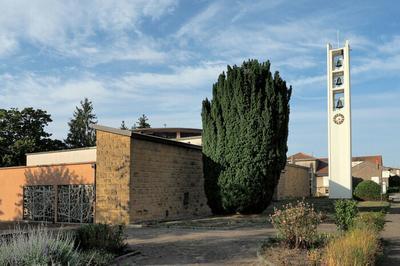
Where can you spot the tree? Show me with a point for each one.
(245, 130)
(142, 122)
(24, 132)
(80, 133)
(123, 126)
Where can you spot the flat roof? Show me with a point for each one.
(136, 135)
(169, 129)
(64, 150)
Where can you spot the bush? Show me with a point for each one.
(393, 189)
(368, 190)
(297, 225)
(345, 212)
(394, 181)
(38, 246)
(371, 220)
(356, 247)
(105, 237)
(96, 258)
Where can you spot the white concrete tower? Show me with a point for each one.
(339, 122)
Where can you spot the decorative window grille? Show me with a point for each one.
(38, 203)
(75, 203)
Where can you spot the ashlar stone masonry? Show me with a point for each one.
(142, 178)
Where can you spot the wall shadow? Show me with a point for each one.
(45, 175)
(1, 212)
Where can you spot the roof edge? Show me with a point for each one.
(118, 131)
(135, 135)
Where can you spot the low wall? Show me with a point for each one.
(13, 179)
(293, 183)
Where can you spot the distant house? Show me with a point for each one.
(364, 168)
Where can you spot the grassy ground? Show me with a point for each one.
(367, 206)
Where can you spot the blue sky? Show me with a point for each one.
(161, 58)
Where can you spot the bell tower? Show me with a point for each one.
(339, 122)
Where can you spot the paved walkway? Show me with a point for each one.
(391, 236)
(199, 246)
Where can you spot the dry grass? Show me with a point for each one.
(356, 247)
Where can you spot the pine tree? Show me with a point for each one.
(80, 133)
(142, 122)
(245, 130)
(123, 126)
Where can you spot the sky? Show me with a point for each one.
(161, 57)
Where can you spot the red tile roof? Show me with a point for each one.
(301, 156)
(323, 169)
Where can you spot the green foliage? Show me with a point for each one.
(368, 190)
(245, 130)
(109, 238)
(345, 212)
(123, 126)
(24, 132)
(38, 246)
(393, 189)
(371, 220)
(297, 224)
(394, 181)
(142, 122)
(96, 258)
(80, 133)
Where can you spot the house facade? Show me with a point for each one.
(363, 168)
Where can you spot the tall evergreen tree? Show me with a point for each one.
(80, 133)
(142, 122)
(123, 126)
(245, 131)
(23, 132)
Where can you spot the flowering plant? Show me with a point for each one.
(296, 224)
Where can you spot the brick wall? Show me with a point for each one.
(293, 183)
(113, 170)
(166, 181)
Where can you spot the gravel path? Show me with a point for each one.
(199, 246)
(391, 236)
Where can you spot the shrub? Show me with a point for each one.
(96, 258)
(368, 190)
(296, 225)
(105, 237)
(372, 220)
(345, 212)
(393, 189)
(394, 181)
(355, 247)
(38, 246)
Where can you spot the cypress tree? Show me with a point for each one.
(245, 131)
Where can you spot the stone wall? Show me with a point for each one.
(293, 183)
(166, 181)
(113, 171)
(146, 178)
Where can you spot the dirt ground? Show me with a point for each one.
(214, 241)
